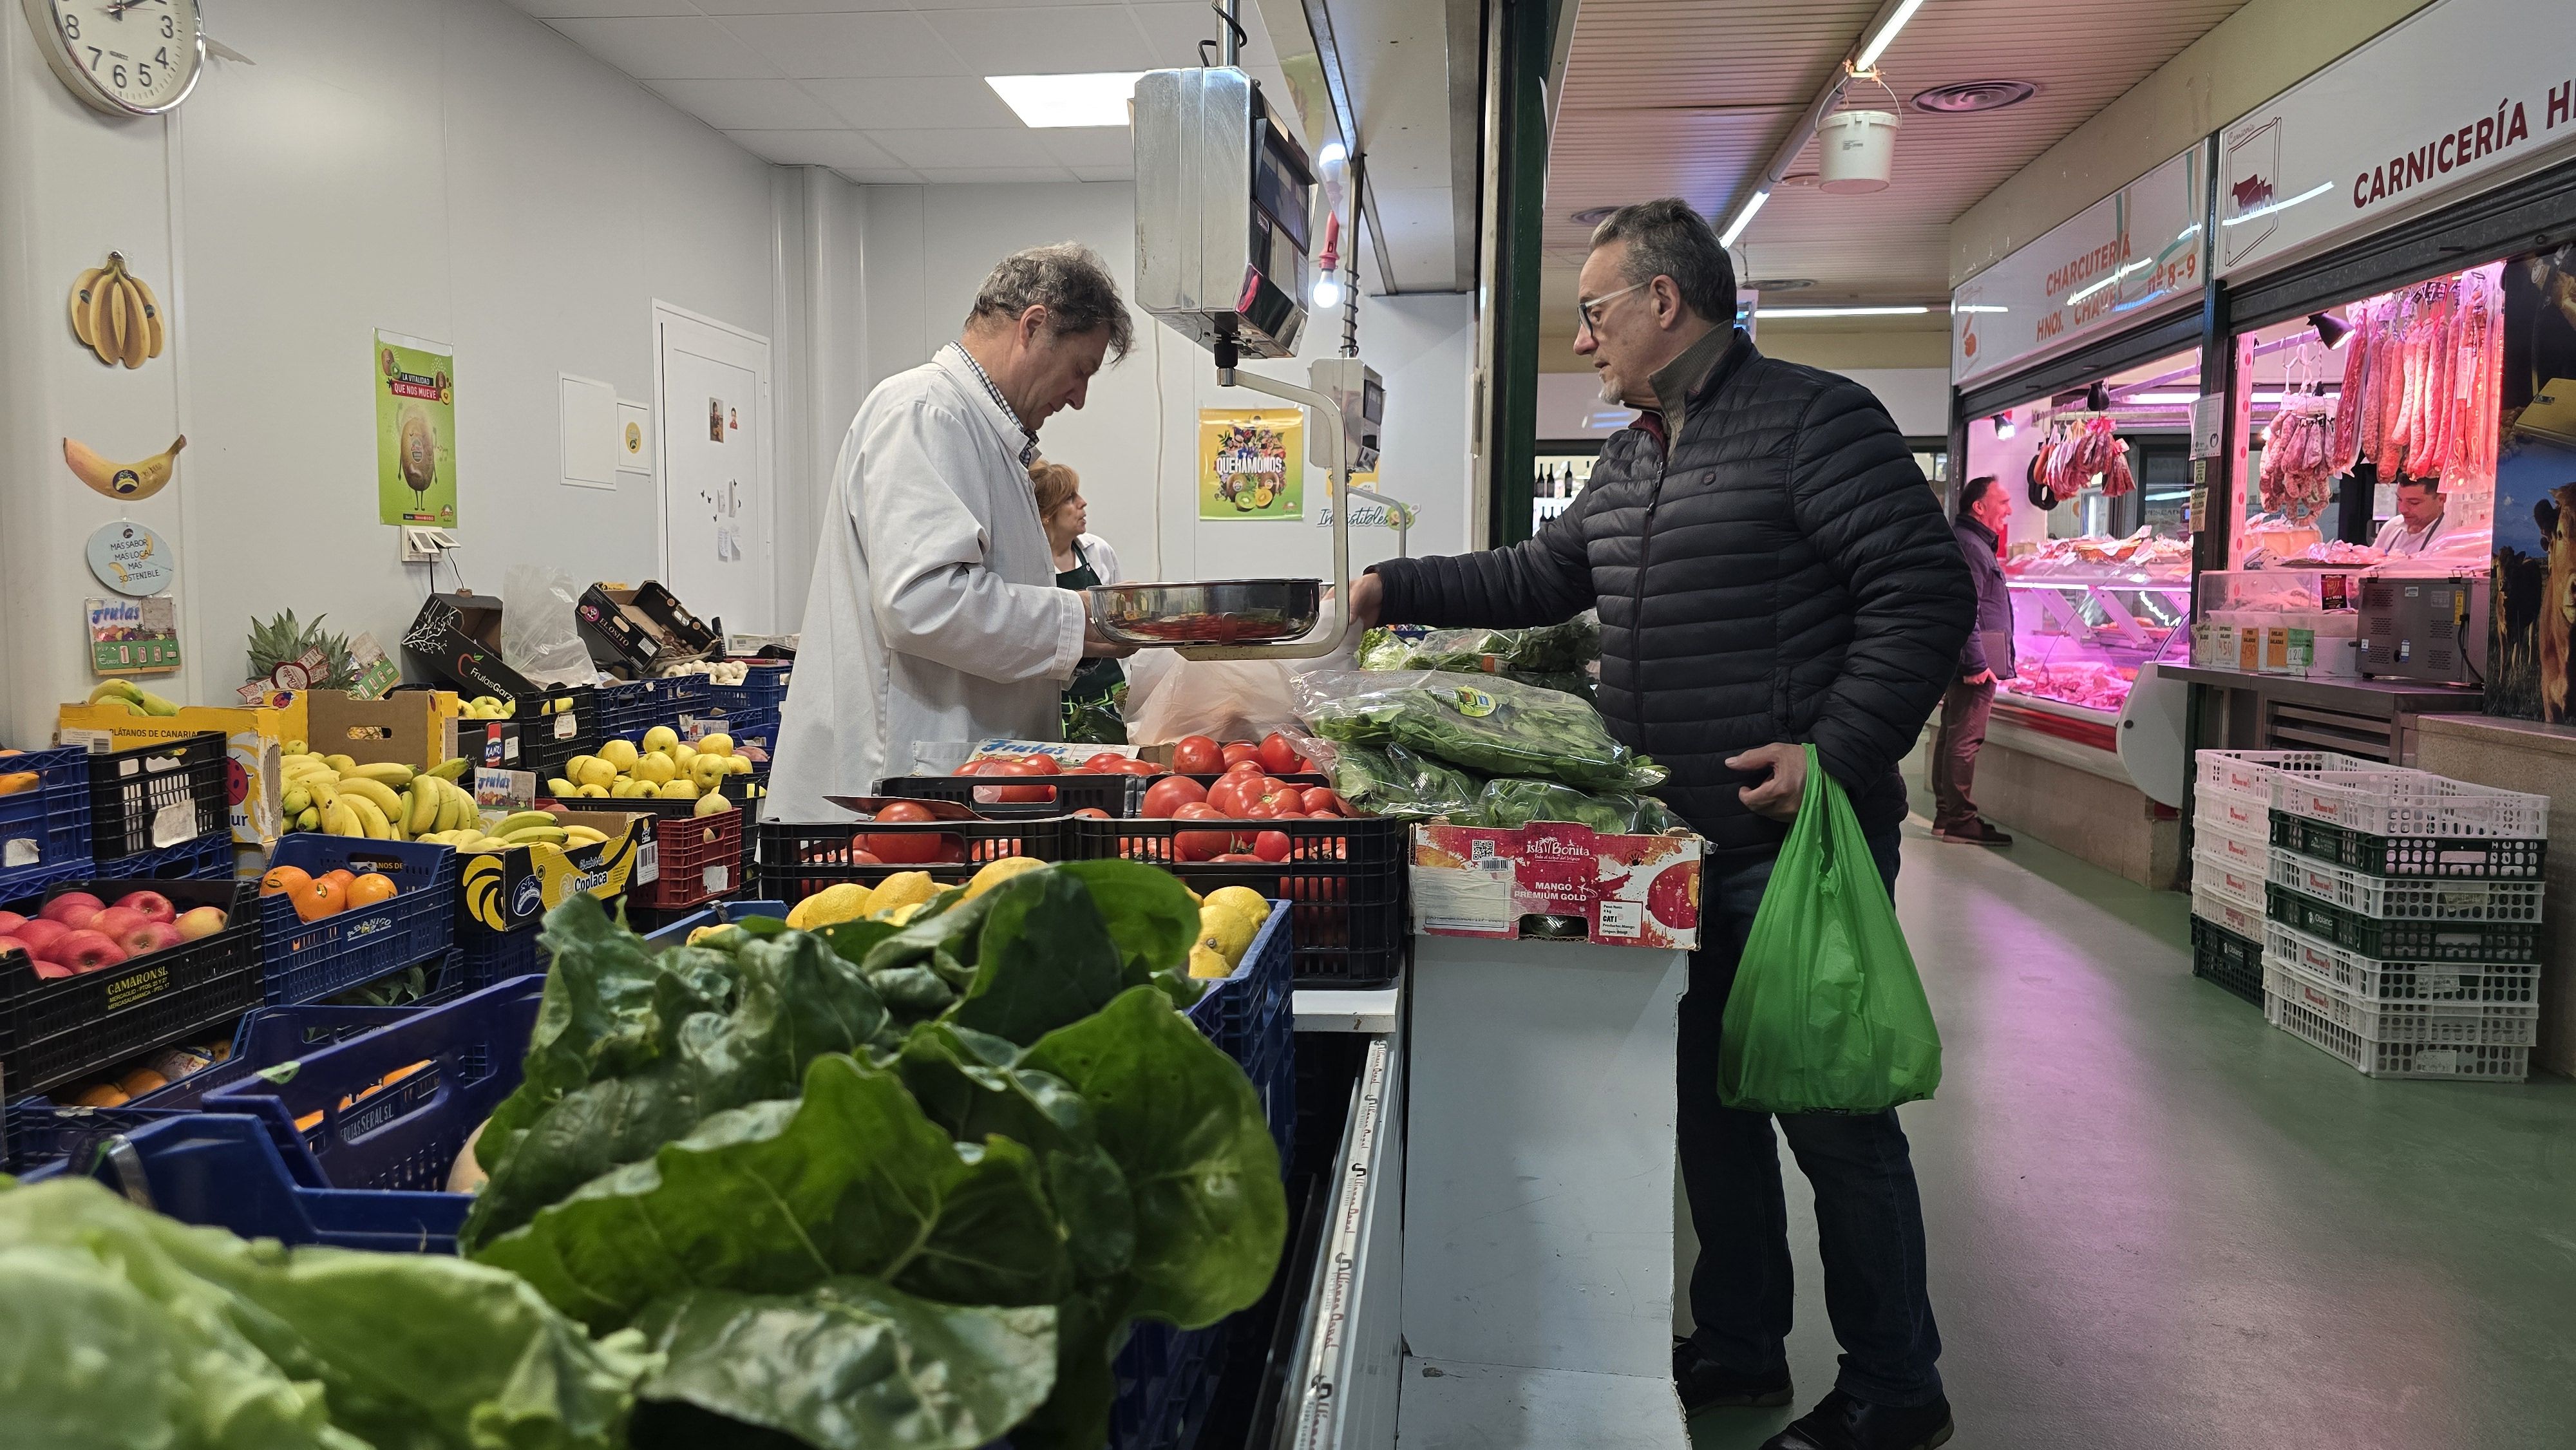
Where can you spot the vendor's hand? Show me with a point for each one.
(1982, 677)
(1368, 596)
(1778, 796)
(1096, 646)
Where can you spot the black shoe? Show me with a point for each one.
(1839, 1422)
(1704, 1384)
(1972, 833)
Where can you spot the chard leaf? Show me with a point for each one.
(851, 1364)
(996, 1241)
(854, 939)
(598, 1001)
(1089, 1331)
(1187, 1130)
(769, 1198)
(1147, 910)
(1045, 958)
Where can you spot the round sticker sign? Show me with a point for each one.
(131, 559)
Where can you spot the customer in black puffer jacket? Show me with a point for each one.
(1771, 570)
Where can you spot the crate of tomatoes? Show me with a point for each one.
(891, 834)
(1046, 782)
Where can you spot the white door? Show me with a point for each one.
(711, 393)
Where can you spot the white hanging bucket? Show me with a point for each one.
(1858, 151)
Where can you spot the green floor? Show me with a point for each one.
(2155, 1222)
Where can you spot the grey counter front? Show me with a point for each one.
(2374, 719)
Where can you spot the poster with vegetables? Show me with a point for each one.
(1252, 463)
(415, 384)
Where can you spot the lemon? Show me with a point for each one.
(1205, 962)
(1243, 899)
(901, 914)
(620, 755)
(677, 790)
(654, 769)
(847, 901)
(1224, 929)
(904, 888)
(714, 936)
(661, 739)
(716, 745)
(999, 872)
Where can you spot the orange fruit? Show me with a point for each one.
(369, 889)
(283, 880)
(317, 899)
(341, 874)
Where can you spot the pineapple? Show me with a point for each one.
(282, 640)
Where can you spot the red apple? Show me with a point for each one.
(10, 921)
(149, 937)
(205, 921)
(86, 951)
(116, 921)
(153, 905)
(40, 934)
(73, 909)
(44, 969)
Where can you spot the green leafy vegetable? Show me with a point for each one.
(1390, 780)
(1508, 802)
(1558, 649)
(1489, 724)
(850, 1364)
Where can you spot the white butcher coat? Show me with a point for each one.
(934, 613)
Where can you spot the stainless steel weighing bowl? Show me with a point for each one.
(1218, 611)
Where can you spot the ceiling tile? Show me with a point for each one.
(666, 49)
(828, 46)
(748, 105)
(953, 174)
(1174, 31)
(797, 7)
(1093, 146)
(913, 103)
(1001, 146)
(814, 148)
(879, 176)
(593, 9)
(1046, 40)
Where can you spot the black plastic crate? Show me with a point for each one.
(1343, 878)
(2227, 959)
(57, 1028)
(2401, 940)
(1118, 795)
(2472, 858)
(159, 795)
(796, 859)
(488, 957)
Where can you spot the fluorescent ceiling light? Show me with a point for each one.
(1977, 307)
(1776, 312)
(1886, 36)
(1743, 218)
(1098, 98)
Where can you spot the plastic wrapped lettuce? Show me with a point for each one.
(1551, 655)
(1389, 780)
(1488, 724)
(1510, 802)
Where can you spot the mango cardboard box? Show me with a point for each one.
(254, 737)
(506, 890)
(1628, 890)
(456, 641)
(641, 631)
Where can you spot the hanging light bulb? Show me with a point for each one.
(2331, 330)
(1328, 292)
(2003, 425)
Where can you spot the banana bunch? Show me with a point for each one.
(664, 768)
(484, 707)
(115, 315)
(520, 828)
(336, 795)
(132, 699)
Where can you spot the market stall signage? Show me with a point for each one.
(415, 388)
(2450, 99)
(2134, 254)
(1251, 464)
(131, 559)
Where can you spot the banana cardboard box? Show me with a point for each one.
(507, 890)
(254, 737)
(407, 727)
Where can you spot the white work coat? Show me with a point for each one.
(933, 613)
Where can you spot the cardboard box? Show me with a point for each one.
(640, 632)
(503, 890)
(456, 641)
(254, 736)
(1626, 890)
(407, 727)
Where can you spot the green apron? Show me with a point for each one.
(1091, 701)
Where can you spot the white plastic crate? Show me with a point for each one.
(2237, 886)
(2245, 921)
(2246, 851)
(2394, 1059)
(2420, 1024)
(2382, 802)
(2234, 814)
(2397, 898)
(2248, 774)
(2373, 980)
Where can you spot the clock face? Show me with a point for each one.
(138, 57)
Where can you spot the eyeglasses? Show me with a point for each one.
(1587, 315)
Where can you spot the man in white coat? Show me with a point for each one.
(934, 613)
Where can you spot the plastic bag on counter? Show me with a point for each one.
(1554, 649)
(1488, 724)
(538, 636)
(1169, 697)
(1510, 802)
(1389, 780)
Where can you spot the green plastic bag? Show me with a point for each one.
(1827, 1014)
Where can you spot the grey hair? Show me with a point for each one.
(1666, 238)
(1070, 281)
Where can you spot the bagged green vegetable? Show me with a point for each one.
(1510, 802)
(1389, 780)
(1827, 1014)
(1489, 724)
(1558, 649)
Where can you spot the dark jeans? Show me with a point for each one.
(1954, 751)
(1869, 1219)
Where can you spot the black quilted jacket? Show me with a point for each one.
(1781, 572)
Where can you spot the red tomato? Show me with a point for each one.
(1271, 845)
(1260, 810)
(1019, 794)
(864, 857)
(1040, 765)
(912, 848)
(1198, 811)
(1105, 762)
(1092, 813)
(904, 812)
(1236, 858)
(1231, 794)
(974, 767)
(1320, 798)
(1141, 767)
(1279, 756)
(1288, 813)
(1199, 845)
(1196, 755)
(1165, 797)
(1241, 751)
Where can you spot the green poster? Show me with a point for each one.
(415, 431)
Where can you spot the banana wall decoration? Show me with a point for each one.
(123, 481)
(115, 315)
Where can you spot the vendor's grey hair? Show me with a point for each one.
(1070, 281)
(1667, 238)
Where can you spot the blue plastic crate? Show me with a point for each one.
(207, 858)
(305, 961)
(26, 890)
(1240, 1012)
(629, 708)
(45, 828)
(716, 914)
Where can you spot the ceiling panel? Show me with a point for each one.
(842, 150)
(840, 45)
(748, 105)
(585, 9)
(652, 49)
(912, 103)
(1001, 146)
(1044, 39)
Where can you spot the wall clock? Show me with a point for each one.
(124, 57)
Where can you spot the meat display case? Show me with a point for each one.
(2081, 637)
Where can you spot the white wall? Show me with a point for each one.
(927, 249)
(445, 168)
